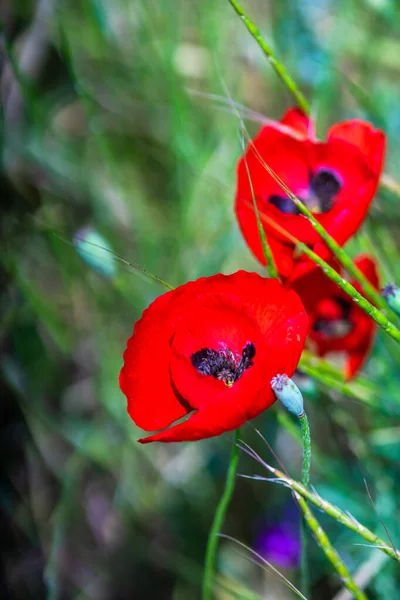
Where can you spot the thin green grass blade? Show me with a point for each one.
(336, 513)
(271, 266)
(349, 289)
(387, 182)
(263, 563)
(336, 249)
(278, 67)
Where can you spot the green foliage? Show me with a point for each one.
(117, 119)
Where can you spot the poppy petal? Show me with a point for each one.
(202, 424)
(368, 267)
(358, 185)
(305, 266)
(297, 119)
(282, 253)
(338, 325)
(145, 373)
(232, 407)
(353, 364)
(368, 140)
(257, 325)
(293, 160)
(222, 324)
(336, 179)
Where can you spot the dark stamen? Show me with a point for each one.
(325, 185)
(320, 198)
(345, 305)
(284, 204)
(339, 327)
(224, 365)
(336, 328)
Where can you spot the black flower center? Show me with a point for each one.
(338, 327)
(225, 365)
(320, 198)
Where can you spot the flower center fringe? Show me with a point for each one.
(225, 365)
(339, 326)
(323, 187)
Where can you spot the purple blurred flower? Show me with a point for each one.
(280, 544)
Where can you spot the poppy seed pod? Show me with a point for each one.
(208, 351)
(391, 293)
(288, 393)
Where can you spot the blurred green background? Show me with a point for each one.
(120, 126)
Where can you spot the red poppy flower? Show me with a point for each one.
(337, 324)
(335, 179)
(211, 348)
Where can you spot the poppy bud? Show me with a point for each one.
(391, 293)
(288, 393)
(95, 251)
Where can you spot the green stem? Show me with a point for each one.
(305, 478)
(387, 182)
(337, 514)
(305, 434)
(276, 65)
(335, 248)
(269, 259)
(341, 255)
(349, 289)
(329, 550)
(338, 251)
(304, 570)
(219, 518)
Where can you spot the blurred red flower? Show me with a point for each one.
(335, 179)
(211, 348)
(337, 324)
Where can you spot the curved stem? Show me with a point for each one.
(329, 550)
(305, 434)
(331, 243)
(386, 182)
(269, 258)
(349, 289)
(219, 518)
(336, 513)
(279, 68)
(305, 479)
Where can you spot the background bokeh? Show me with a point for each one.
(121, 130)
